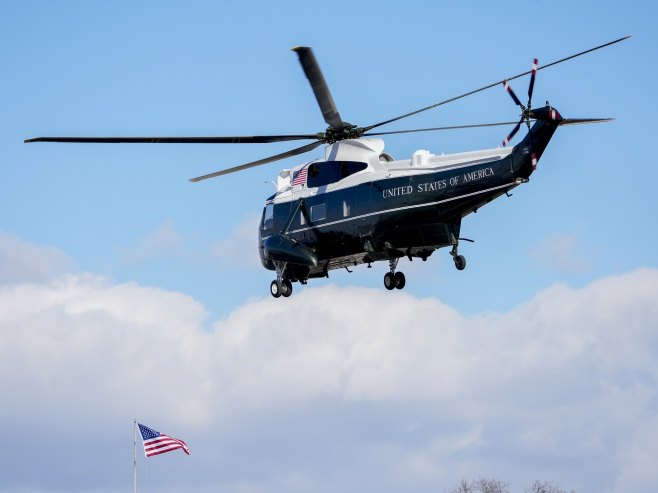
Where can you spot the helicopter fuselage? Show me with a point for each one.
(357, 206)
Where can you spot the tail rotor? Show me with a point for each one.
(526, 111)
(531, 87)
(512, 133)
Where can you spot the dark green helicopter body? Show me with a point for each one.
(391, 217)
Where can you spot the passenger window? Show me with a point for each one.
(319, 212)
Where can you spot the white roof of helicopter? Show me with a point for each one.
(368, 151)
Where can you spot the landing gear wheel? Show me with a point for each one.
(400, 280)
(275, 289)
(460, 262)
(389, 280)
(286, 288)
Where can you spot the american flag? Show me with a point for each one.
(299, 178)
(156, 443)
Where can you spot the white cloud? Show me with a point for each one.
(560, 252)
(82, 332)
(24, 262)
(339, 388)
(240, 247)
(163, 242)
(638, 461)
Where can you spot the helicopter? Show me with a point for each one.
(358, 205)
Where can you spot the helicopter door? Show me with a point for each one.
(364, 227)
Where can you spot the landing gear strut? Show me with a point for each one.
(460, 260)
(394, 279)
(280, 286)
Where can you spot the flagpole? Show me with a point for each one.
(134, 456)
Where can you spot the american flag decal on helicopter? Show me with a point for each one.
(299, 177)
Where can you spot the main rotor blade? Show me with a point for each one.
(489, 86)
(319, 85)
(283, 155)
(566, 121)
(580, 121)
(454, 127)
(260, 139)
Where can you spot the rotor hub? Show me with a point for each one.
(335, 134)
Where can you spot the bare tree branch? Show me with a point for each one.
(490, 485)
(463, 487)
(493, 485)
(543, 487)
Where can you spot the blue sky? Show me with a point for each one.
(87, 229)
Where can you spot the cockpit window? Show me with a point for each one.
(327, 172)
(268, 217)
